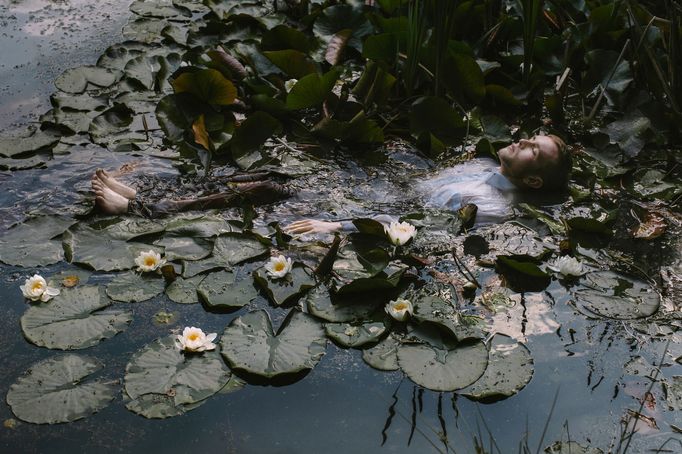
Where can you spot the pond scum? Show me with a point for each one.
(221, 85)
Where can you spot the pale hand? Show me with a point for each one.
(312, 226)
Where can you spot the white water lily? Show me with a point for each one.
(289, 84)
(36, 289)
(568, 266)
(400, 309)
(195, 340)
(400, 232)
(149, 261)
(278, 266)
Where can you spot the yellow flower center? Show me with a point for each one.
(149, 261)
(279, 266)
(37, 286)
(400, 306)
(193, 336)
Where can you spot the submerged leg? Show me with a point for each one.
(115, 185)
(108, 201)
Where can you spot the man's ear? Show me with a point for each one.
(533, 181)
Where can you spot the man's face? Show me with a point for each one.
(525, 157)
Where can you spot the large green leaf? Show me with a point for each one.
(510, 368)
(185, 248)
(442, 369)
(73, 319)
(100, 251)
(27, 144)
(293, 63)
(184, 291)
(384, 355)
(433, 115)
(253, 133)
(312, 90)
(32, 244)
(287, 289)
(209, 85)
(160, 8)
(162, 381)
(55, 390)
(223, 290)
(234, 248)
(282, 37)
(250, 344)
(339, 17)
(320, 304)
(354, 336)
(132, 287)
(76, 80)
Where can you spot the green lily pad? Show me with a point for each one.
(185, 248)
(203, 226)
(612, 295)
(513, 239)
(162, 381)
(341, 310)
(132, 287)
(571, 447)
(234, 248)
(24, 145)
(209, 85)
(99, 251)
(311, 90)
(384, 355)
(286, 289)
(31, 243)
(354, 336)
(129, 228)
(433, 309)
(443, 369)
(160, 8)
(223, 290)
(76, 80)
(250, 344)
(74, 319)
(510, 368)
(55, 390)
(184, 291)
(193, 268)
(69, 278)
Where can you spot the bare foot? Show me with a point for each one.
(115, 185)
(108, 201)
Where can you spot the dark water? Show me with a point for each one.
(342, 405)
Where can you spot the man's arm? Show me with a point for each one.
(313, 226)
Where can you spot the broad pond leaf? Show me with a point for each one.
(132, 287)
(443, 369)
(293, 63)
(234, 248)
(197, 226)
(76, 80)
(250, 344)
(433, 309)
(354, 336)
(510, 368)
(56, 390)
(571, 447)
(312, 90)
(209, 85)
(434, 115)
(185, 248)
(287, 289)
(31, 243)
(224, 290)
(74, 319)
(612, 295)
(163, 381)
(282, 37)
(253, 133)
(340, 17)
(384, 355)
(320, 304)
(165, 9)
(184, 291)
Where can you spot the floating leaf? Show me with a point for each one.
(162, 381)
(312, 90)
(433, 309)
(337, 18)
(571, 447)
(293, 63)
(234, 248)
(159, 8)
(31, 243)
(76, 80)
(253, 133)
(74, 319)
(287, 289)
(222, 290)
(611, 295)
(208, 85)
(194, 267)
(354, 336)
(132, 287)
(443, 369)
(23, 146)
(100, 251)
(250, 344)
(185, 248)
(55, 390)
(434, 115)
(384, 355)
(510, 368)
(320, 305)
(184, 291)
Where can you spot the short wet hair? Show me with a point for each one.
(556, 174)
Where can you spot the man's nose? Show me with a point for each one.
(525, 143)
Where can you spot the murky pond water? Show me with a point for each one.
(342, 405)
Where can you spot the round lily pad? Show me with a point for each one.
(76, 80)
(134, 287)
(163, 381)
(510, 368)
(320, 304)
(55, 390)
(612, 295)
(286, 289)
(429, 308)
(31, 244)
(73, 319)
(184, 291)
(234, 248)
(250, 344)
(384, 355)
(353, 336)
(443, 369)
(185, 248)
(222, 290)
